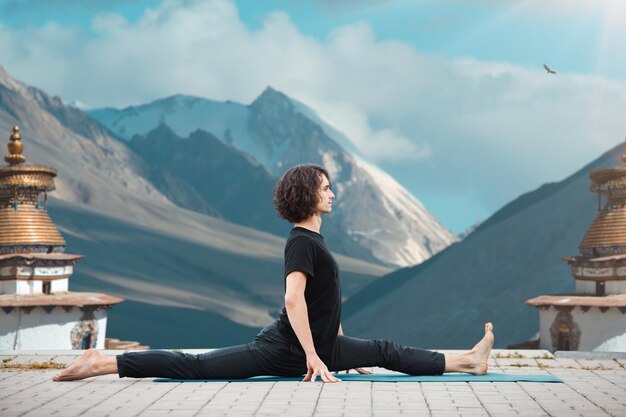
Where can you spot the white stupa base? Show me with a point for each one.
(599, 332)
(39, 329)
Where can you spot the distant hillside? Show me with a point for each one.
(205, 175)
(513, 256)
(225, 280)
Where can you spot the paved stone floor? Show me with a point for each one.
(593, 386)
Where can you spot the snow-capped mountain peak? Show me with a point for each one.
(376, 218)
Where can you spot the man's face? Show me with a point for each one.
(325, 204)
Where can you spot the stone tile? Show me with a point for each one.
(598, 364)
(518, 363)
(65, 359)
(26, 359)
(567, 363)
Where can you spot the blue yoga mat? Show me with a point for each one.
(490, 377)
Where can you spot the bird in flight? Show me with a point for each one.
(548, 69)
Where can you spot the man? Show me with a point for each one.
(307, 338)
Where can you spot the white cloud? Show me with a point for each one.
(381, 144)
(444, 125)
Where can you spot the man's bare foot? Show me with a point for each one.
(83, 367)
(479, 355)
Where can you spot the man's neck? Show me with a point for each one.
(313, 223)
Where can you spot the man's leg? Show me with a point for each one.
(356, 353)
(475, 360)
(231, 362)
(91, 363)
(352, 353)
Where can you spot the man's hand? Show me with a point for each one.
(315, 368)
(361, 371)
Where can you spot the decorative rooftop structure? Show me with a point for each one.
(25, 226)
(594, 318)
(38, 311)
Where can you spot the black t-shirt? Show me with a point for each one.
(306, 252)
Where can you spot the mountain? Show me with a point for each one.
(205, 175)
(189, 279)
(513, 256)
(375, 219)
(470, 230)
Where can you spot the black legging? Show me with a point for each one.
(272, 355)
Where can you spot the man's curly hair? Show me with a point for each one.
(296, 194)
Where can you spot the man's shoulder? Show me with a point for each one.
(298, 238)
(303, 239)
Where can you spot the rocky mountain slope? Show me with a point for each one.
(208, 176)
(513, 256)
(375, 218)
(178, 269)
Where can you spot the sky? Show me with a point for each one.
(449, 96)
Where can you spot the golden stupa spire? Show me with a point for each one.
(16, 147)
(25, 226)
(607, 234)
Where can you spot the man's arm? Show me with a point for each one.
(297, 311)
